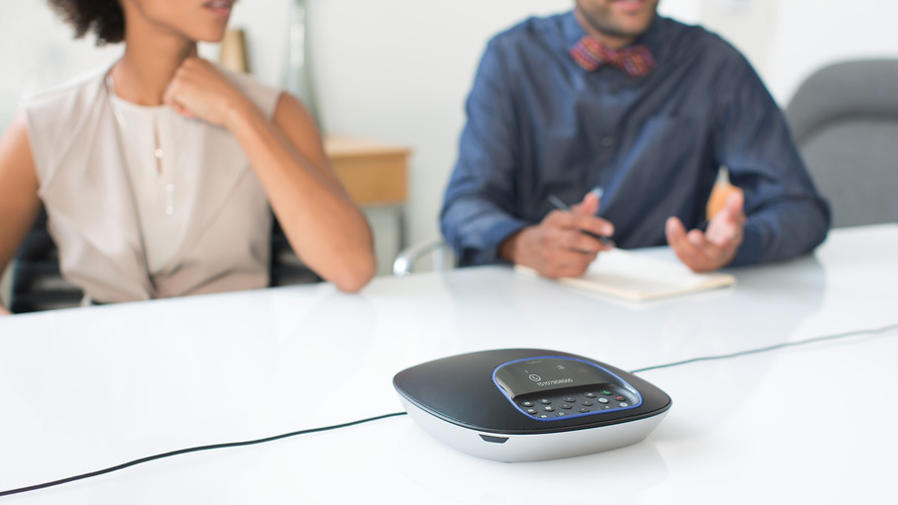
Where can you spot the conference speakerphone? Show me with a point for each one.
(530, 404)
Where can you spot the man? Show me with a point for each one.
(612, 95)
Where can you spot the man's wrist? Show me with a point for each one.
(508, 248)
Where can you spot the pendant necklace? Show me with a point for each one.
(158, 153)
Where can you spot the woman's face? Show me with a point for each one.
(198, 20)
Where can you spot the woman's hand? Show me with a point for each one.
(4, 312)
(199, 90)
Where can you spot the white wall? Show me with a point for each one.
(398, 70)
(787, 40)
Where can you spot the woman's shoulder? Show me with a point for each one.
(81, 90)
(54, 117)
(264, 96)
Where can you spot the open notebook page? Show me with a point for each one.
(637, 277)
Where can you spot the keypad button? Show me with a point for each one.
(620, 398)
(589, 395)
(566, 406)
(606, 392)
(624, 404)
(531, 411)
(545, 401)
(606, 407)
(543, 416)
(603, 400)
(570, 399)
(560, 413)
(527, 404)
(549, 408)
(586, 403)
(584, 409)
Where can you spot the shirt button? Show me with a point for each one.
(606, 142)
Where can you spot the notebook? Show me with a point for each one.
(637, 277)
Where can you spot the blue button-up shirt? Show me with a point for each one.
(539, 124)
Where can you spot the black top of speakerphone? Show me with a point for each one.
(488, 390)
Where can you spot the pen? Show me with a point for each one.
(559, 204)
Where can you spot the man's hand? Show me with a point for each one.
(704, 252)
(4, 312)
(557, 247)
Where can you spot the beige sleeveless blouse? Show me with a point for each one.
(84, 150)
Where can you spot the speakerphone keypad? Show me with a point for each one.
(583, 401)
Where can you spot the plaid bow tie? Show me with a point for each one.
(636, 61)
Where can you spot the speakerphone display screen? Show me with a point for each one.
(548, 374)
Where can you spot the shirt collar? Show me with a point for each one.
(652, 37)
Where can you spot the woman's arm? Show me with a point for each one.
(323, 226)
(19, 202)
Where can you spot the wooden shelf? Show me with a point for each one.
(373, 173)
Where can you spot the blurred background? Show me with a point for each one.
(396, 72)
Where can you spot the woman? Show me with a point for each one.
(157, 174)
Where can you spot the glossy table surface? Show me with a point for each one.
(88, 388)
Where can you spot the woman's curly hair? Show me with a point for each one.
(103, 17)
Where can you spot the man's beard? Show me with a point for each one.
(609, 28)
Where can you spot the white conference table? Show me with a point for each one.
(88, 388)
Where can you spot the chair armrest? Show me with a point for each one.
(404, 263)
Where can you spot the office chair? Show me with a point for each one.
(38, 285)
(36, 281)
(443, 257)
(285, 268)
(844, 118)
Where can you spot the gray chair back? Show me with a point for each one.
(844, 118)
